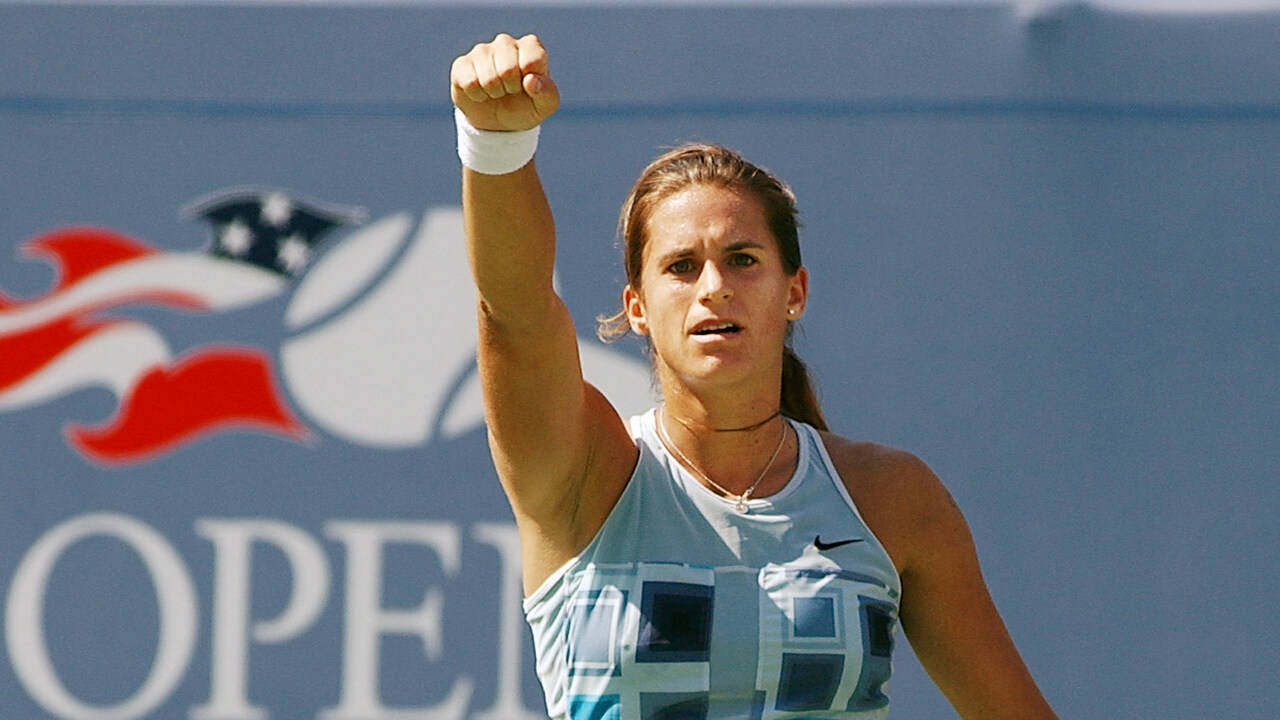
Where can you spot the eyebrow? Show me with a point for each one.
(684, 252)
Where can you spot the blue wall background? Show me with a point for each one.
(1044, 255)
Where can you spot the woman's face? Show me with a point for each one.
(714, 294)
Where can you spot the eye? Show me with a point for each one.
(742, 259)
(681, 267)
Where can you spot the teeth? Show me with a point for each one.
(717, 328)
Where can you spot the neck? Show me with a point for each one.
(695, 428)
(755, 458)
(727, 429)
(740, 408)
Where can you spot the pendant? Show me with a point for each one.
(741, 505)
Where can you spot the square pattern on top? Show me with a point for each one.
(675, 622)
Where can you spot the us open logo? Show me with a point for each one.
(302, 323)
(376, 345)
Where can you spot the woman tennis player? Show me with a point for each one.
(722, 556)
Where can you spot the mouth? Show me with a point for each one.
(716, 328)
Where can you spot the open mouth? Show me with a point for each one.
(718, 329)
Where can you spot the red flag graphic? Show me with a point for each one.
(27, 351)
(53, 344)
(212, 390)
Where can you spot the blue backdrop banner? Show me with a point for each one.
(243, 467)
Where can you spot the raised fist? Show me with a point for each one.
(504, 84)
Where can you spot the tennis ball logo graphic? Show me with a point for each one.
(382, 339)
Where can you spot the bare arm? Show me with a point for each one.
(551, 434)
(947, 613)
(946, 610)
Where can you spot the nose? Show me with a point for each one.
(712, 285)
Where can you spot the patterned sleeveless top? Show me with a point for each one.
(683, 608)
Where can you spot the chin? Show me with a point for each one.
(716, 370)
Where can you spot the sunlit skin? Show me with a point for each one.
(710, 260)
(563, 454)
(715, 300)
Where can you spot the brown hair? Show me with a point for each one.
(703, 164)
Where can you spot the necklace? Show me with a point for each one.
(745, 428)
(740, 501)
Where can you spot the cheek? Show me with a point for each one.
(660, 294)
(664, 317)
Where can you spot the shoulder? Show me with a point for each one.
(885, 473)
(869, 458)
(906, 504)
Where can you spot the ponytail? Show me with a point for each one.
(799, 401)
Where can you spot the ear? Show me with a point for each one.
(798, 294)
(634, 306)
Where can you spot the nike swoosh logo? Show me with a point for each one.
(817, 542)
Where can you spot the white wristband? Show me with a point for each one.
(493, 152)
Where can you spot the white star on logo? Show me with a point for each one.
(236, 238)
(293, 253)
(276, 209)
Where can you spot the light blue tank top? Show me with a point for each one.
(682, 608)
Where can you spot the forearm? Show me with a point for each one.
(510, 243)
(503, 92)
